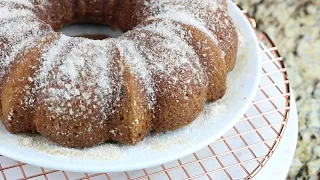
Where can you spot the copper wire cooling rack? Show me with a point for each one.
(239, 154)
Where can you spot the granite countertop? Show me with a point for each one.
(294, 26)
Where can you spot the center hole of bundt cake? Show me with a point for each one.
(91, 31)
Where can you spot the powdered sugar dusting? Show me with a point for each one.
(175, 54)
(206, 15)
(80, 72)
(190, 5)
(13, 13)
(28, 3)
(187, 18)
(138, 66)
(194, 13)
(36, 142)
(50, 57)
(23, 36)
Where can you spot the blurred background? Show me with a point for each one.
(294, 26)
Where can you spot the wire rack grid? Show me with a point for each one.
(239, 154)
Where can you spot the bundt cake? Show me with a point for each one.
(174, 56)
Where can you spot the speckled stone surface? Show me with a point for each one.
(294, 26)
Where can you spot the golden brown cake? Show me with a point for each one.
(78, 92)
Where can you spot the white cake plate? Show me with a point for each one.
(216, 120)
